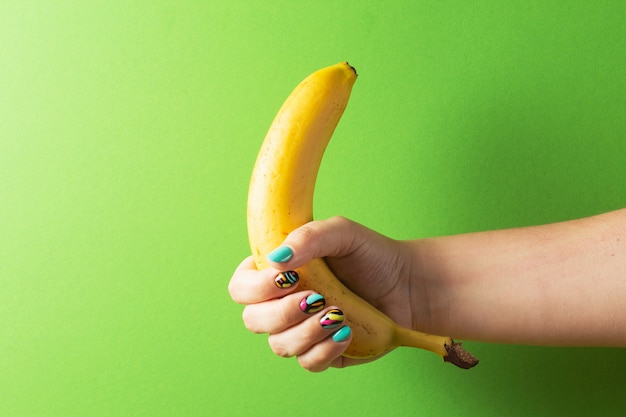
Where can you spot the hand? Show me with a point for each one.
(373, 266)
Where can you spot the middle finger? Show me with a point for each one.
(276, 315)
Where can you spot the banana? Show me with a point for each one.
(280, 199)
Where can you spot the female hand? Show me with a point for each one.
(560, 284)
(373, 266)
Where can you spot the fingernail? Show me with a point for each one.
(312, 304)
(342, 334)
(280, 254)
(333, 318)
(286, 279)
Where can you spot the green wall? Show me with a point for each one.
(128, 131)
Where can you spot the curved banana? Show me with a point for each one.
(280, 200)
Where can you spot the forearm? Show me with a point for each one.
(557, 284)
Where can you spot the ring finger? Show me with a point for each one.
(299, 338)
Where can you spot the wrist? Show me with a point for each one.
(428, 291)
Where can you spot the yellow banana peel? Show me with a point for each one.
(280, 200)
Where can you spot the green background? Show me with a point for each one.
(128, 131)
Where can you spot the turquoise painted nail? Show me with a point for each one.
(342, 334)
(280, 254)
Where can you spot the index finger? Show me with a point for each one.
(249, 285)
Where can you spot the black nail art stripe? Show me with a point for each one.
(287, 279)
(332, 319)
(312, 304)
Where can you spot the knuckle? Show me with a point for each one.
(341, 223)
(306, 233)
(340, 220)
(250, 320)
(232, 290)
(312, 363)
(279, 348)
(282, 314)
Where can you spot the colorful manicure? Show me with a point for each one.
(286, 279)
(312, 304)
(342, 334)
(332, 318)
(280, 254)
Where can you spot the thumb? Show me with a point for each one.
(336, 236)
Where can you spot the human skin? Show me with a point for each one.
(560, 284)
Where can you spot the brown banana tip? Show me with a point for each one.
(352, 68)
(459, 356)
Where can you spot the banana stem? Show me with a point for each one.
(443, 346)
